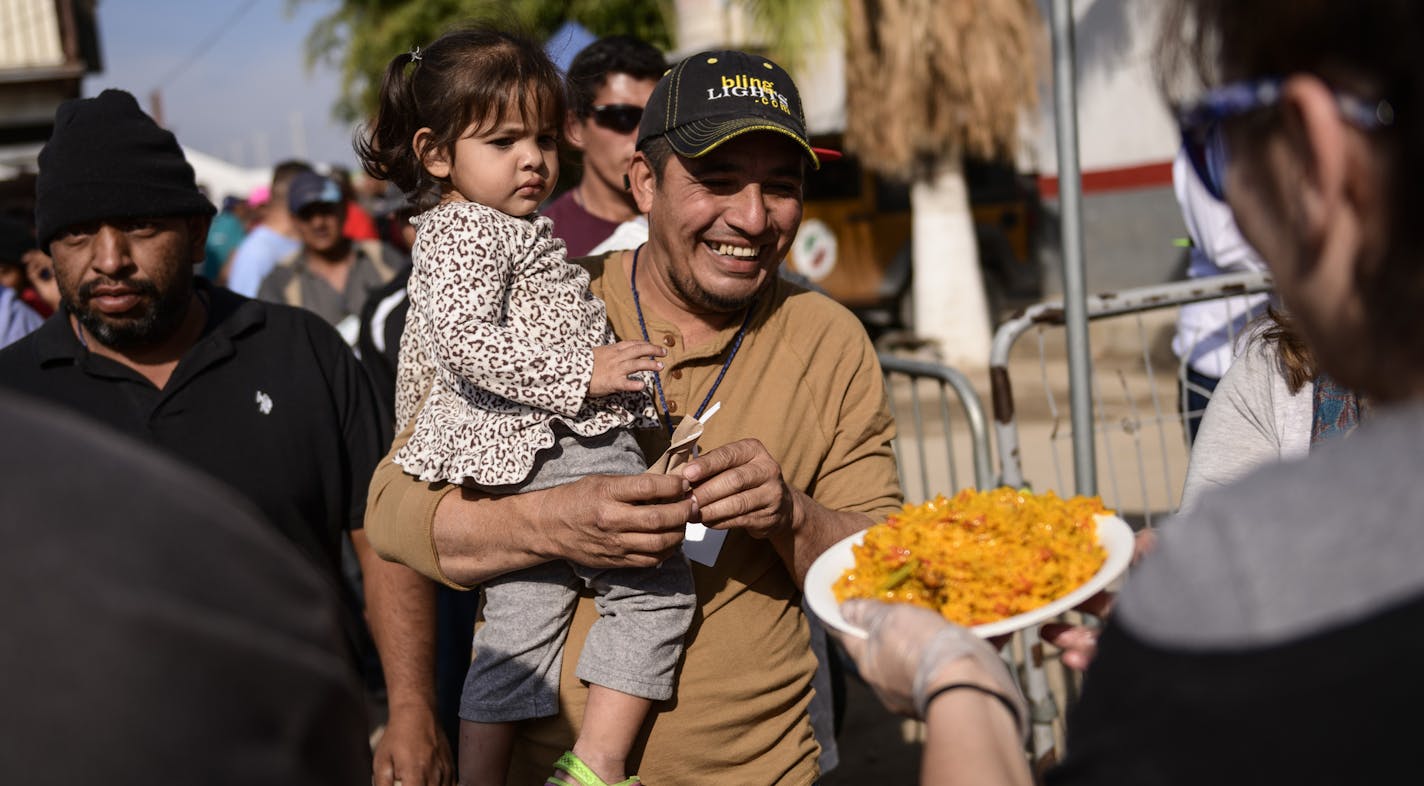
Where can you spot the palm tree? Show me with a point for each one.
(361, 36)
(927, 83)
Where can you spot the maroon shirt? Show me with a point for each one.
(580, 230)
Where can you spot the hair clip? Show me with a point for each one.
(415, 54)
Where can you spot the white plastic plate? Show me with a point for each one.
(1113, 533)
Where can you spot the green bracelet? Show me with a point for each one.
(943, 689)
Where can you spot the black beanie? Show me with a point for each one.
(107, 159)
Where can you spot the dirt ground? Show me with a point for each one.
(876, 747)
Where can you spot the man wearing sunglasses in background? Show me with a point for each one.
(609, 82)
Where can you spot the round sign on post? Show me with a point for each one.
(814, 252)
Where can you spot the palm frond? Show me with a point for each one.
(929, 79)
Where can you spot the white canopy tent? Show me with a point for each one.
(218, 178)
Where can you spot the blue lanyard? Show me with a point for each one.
(657, 380)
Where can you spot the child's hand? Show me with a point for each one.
(613, 364)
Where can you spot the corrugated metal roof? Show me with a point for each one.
(30, 35)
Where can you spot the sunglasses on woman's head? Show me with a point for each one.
(622, 118)
(1201, 123)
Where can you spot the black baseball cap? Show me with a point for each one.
(712, 97)
(309, 188)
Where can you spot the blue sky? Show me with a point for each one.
(242, 97)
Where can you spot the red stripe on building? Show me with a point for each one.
(1103, 180)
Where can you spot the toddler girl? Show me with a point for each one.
(508, 371)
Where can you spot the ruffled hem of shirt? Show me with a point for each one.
(433, 453)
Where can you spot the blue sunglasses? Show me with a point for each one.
(1201, 122)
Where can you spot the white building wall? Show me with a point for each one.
(1122, 120)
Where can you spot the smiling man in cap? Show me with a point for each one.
(797, 458)
(264, 398)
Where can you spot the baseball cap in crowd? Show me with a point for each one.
(712, 97)
(309, 188)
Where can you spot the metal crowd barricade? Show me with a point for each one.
(931, 444)
(1141, 447)
(1130, 419)
(925, 443)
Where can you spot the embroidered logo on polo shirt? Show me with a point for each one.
(264, 403)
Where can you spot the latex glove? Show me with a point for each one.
(910, 651)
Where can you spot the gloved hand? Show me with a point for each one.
(911, 651)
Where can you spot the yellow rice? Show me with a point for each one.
(980, 557)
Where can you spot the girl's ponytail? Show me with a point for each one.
(384, 145)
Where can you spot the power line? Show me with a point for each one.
(206, 45)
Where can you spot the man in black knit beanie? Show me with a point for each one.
(267, 399)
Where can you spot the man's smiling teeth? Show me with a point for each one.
(733, 251)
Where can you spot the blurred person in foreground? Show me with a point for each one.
(1272, 636)
(266, 399)
(609, 82)
(158, 628)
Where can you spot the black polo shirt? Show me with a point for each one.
(269, 400)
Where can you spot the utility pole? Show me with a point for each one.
(260, 152)
(299, 136)
(155, 107)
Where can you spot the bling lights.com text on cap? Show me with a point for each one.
(743, 86)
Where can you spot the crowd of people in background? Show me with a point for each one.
(206, 394)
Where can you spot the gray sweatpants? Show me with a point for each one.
(644, 613)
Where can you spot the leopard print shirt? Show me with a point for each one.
(501, 330)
